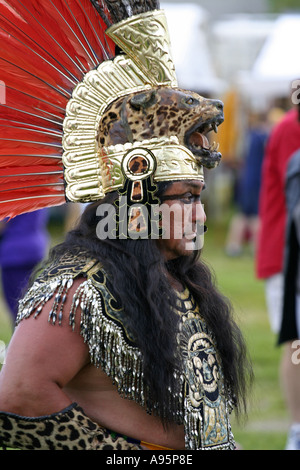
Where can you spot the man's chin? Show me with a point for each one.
(193, 244)
(189, 247)
(184, 247)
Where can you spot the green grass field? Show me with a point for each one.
(268, 420)
(267, 423)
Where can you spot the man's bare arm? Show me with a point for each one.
(41, 360)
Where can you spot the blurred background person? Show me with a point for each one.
(23, 244)
(283, 142)
(290, 326)
(244, 223)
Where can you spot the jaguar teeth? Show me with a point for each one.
(215, 127)
(214, 147)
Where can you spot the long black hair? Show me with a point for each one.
(141, 277)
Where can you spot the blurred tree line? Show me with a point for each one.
(278, 6)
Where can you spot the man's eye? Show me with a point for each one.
(190, 198)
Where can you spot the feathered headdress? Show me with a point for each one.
(84, 88)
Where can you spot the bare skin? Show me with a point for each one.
(48, 367)
(184, 200)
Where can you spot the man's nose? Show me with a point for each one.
(199, 213)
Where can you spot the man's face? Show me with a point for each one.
(186, 217)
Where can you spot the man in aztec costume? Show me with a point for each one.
(122, 340)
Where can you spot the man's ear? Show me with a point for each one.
(143, 100)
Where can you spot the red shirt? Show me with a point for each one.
(283, 142)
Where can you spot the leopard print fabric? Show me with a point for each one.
(70, 429)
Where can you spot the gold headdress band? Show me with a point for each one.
(91, 170)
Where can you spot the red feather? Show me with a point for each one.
(28, 203)
(46, 49)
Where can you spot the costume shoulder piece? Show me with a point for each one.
(58, 278)
(102, 320)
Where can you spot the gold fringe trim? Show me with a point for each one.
(194, 431)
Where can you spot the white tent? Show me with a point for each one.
(278, 63)
(191, 55)
(279, 59)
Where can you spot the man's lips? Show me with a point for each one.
(201, 229)
(190, 236)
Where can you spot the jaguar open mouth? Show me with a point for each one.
(198, 143)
